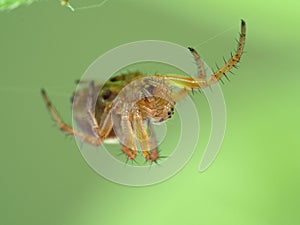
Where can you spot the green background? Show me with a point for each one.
(255, 178)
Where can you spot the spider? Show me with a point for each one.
(125, 106)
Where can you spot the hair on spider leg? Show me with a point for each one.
(150, 166)
(164, 157)
(200, 91)
(68, 137)
(222, 81)
(210, 88)
(79, 81)
(126, 161)
(157, 163)
(240, 61)
(225, 75)
(237, 41)
(236, 66)
(133, 161)
(159, 150)
(161, 156)
(145, 161)
(231, 72)
(191, 94)
(151, 163)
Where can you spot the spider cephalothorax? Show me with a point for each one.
(156, 109)
(126, 105)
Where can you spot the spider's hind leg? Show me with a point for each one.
(67, 128)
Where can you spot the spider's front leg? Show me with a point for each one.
(201, 81)
(127, 140)
(201, 69)
(234, 59)
(201, 75)
(147, 144)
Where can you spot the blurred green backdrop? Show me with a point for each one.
(254, 180)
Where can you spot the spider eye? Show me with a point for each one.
(169, 113)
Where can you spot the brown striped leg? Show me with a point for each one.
(234, 59)
(92, 140)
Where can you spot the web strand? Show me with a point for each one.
(85, 7)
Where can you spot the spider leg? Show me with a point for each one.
(127, 139)
(234, 59)
(147, 144)
(182, 93)
(90, 107)
(201, 70)
(141, 132)
(105, 127)
(154, 153)
(92, 140)
(130, 153)
(78, 81)
(189, 83)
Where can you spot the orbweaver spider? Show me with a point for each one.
(125, 106)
